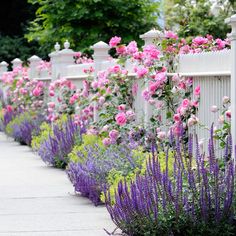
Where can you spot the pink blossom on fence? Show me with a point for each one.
(197, 91)
(121, 50)
(121, 119)
(171, 35)
(132, 48)
(200, 40)
(141, 72)
(114, 41)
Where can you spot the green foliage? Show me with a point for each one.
(85, 22)
(17, 121)
(196, 19)
(87, 140)
(115, 176)
(17, 46)
(45, 130)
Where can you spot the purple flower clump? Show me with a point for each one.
(56, 148)
(196, 198)
(89, 174)
(24, 131)
(8, 116)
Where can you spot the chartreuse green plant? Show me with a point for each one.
(17, 121)
(87, 139)
(45, 131)
(116, 176)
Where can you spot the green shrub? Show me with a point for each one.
(115, 176)
(45, 130)
(87, 140)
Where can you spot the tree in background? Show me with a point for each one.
(14, 16)
(198, 17)
(85, 22)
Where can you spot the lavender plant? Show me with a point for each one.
(24, 126)
(198, 198)
(55, 149)
(90, 174)
(7, 116)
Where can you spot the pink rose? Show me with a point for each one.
(220, 43)
(171, 35)
(151, 51)
(132, 47)
(114, 41)
(130, 114)
(161, 135)
(51, 104)
(113, 134)
(94, 84)
(177, 117)
(36, 92)
(200, 40)
(185, 103)
(228, 114)
(197, 90)
(51, 93)
(153, 87)
(121, 119)
(121, 107)
(101, 100)
(9, 108)
(141, 72)
(121, 49)
(106, 141)
(115, 69)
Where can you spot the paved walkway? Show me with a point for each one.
(39, 200)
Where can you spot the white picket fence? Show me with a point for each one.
(215, 72)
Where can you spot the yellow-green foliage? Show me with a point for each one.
(45, 130)
(17, 121)
(87, 139)
(115, 176)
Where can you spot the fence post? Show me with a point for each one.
(34, 63)
(149, 39)
(232, 36)
(54, 59)
(16, 62)
(3, 67)
(66, 58)
(100, 54)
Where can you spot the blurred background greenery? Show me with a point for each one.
(30, 27)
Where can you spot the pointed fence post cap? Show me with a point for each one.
(34, 58)
(3, 63)
(152, 34)
(100, 45)
(16, 61)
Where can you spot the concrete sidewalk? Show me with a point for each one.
(39, 200)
